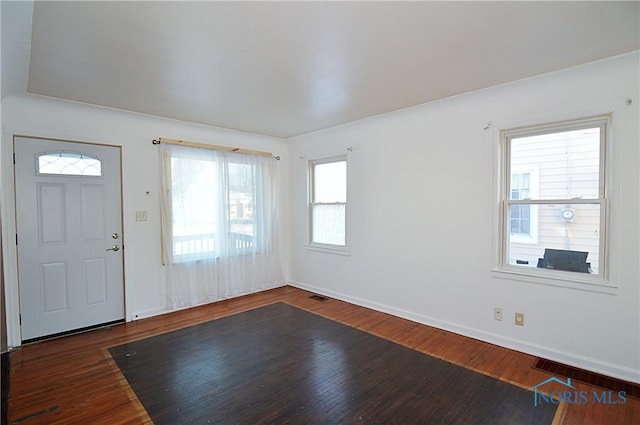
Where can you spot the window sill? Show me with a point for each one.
(327, 249)
(587, 283)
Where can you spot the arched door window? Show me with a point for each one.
(69, 164)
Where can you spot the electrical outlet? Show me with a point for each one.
(520, 319)
(497, 313)
(141, 216)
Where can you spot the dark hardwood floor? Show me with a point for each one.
(74, 380)
(279, 364)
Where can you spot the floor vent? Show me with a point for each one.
(592, 378)
(319, 298)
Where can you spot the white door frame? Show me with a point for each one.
(9, 230)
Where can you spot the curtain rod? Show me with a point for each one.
(206, 146)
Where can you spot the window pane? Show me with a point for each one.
(241, 205)
(561, 228)
(520, 220)
(69, 164)
(194, 206)
(568, 164)
(330, 182)
(328, 224)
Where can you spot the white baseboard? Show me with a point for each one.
(549, 353)
(145, 314)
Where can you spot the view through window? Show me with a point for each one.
(328, 202)
(566, 211)
(213, 207)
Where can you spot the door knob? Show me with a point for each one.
(114, 248)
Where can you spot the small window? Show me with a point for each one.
(328, 202)
(69, 164)
(553, 199)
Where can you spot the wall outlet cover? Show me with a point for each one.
(497, 313)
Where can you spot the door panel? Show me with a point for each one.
(53, 285)
(95, 281)
(93, 206)
(51, 213)
(68, 208)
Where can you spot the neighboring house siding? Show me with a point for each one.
(559, 169)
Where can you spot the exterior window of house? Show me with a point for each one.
(521, 214)
(328, 203)
(554, 200)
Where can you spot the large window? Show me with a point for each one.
(220, 214)
(328, 202)
(554, 200)
(215, 204)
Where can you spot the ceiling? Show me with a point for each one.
(289, 68)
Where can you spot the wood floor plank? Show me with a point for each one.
(72, 373)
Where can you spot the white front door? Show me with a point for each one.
(69, 223)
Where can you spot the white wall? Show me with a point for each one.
(422, 219)
(43, 117)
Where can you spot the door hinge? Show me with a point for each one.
(16, 239)
(14, 158)
(20, 319)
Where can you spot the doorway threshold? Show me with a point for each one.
(106, 326)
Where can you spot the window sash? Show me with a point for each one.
(598, 122)
(338, 238)
(602, 246)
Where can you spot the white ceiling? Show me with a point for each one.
(288, 68)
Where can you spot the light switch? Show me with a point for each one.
(141, 216)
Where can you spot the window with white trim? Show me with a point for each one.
(328, 202)
(554, 199)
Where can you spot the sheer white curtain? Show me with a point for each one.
(219, 224)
